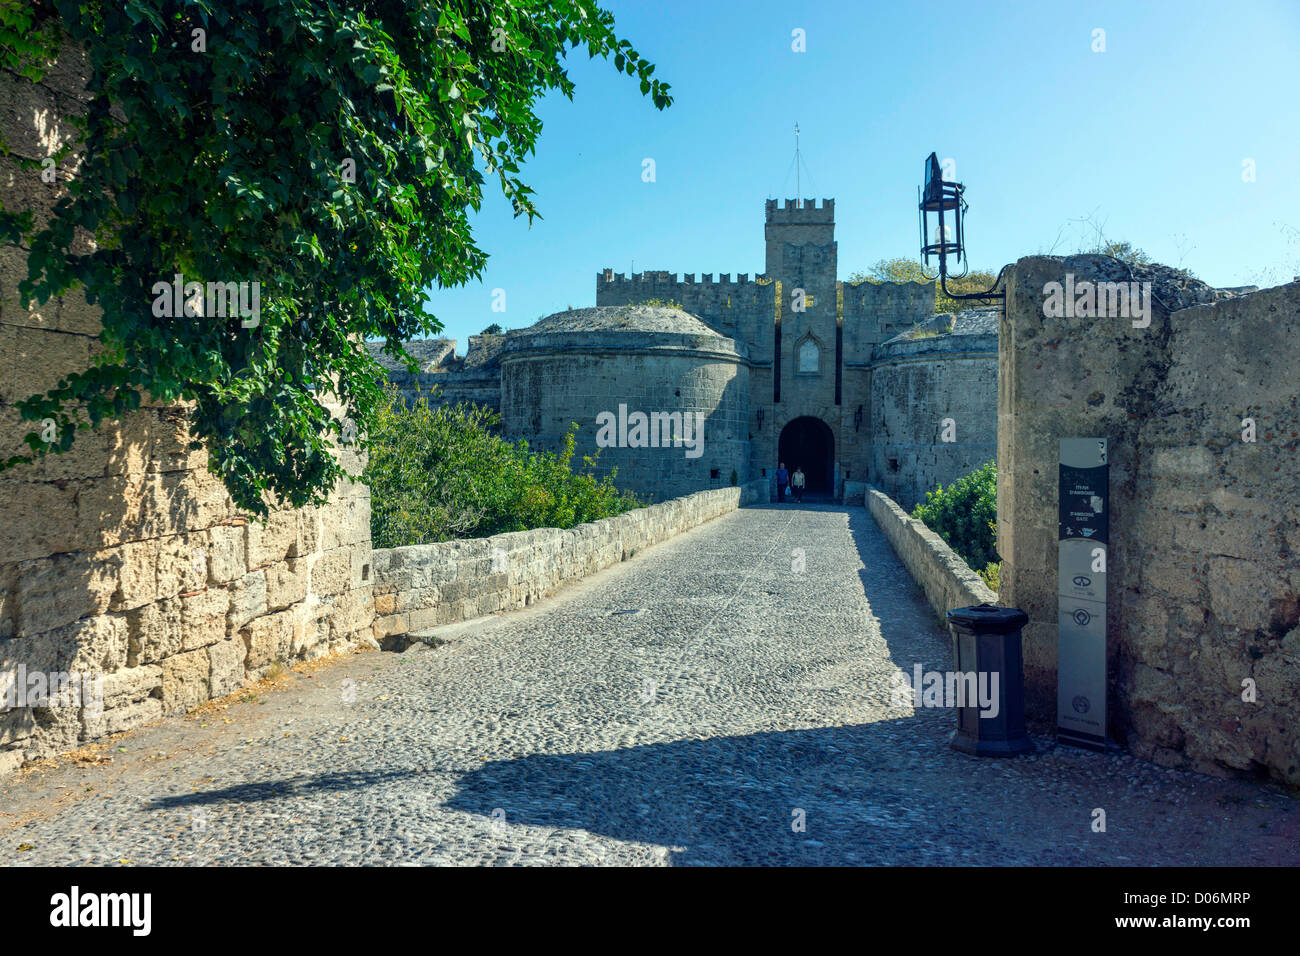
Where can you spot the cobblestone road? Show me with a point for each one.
(690, 706)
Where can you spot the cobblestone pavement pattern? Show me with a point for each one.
(689, 706)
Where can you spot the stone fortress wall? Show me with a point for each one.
(926, 390)
(847, 323)
(880, 404)
(443, 377)
(623, 361)
(1203, 567)
(124, 558)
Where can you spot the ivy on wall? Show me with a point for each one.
(269, 183)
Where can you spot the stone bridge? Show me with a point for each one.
(702, 703)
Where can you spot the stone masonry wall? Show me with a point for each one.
(915, 385)
(1203, 573)
(939, 571)
(543, 391)
(428, 585)
(125, 558)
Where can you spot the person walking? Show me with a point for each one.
(797, 481)
(782, 482)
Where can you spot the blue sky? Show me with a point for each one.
(1147, 138)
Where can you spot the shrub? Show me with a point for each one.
(992, 576)
(965, 514)
(442, 473)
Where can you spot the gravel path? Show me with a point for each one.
(686, 707)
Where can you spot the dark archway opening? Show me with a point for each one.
(808, 443)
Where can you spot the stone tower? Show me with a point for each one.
(797, 226)
(803, 401)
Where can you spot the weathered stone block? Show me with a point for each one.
(131, 684)
(332, 572)
(343, 523)
(203, 618)
(185, 681)
(227, 553)
(182, 564)
(57, 590)
(155, 631)
(226, 659)
(108, 512)
(268, 639)
(391, 624)
(286, 583)
(17, 725)
(138, 575)
(275, 540)
(352, 612)
(1241, 592)
(97, 644)
(32, 360)
(247, 600)
(171, 451)
(127, 716)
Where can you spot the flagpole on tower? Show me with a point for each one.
(798, 193)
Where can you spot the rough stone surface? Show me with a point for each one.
(429, 585)
(948, 582)
(125, 556)
(678, 708)
(1202, 567)
(934, 397)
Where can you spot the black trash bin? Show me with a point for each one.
(986, 640)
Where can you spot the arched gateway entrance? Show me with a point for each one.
(808, 443)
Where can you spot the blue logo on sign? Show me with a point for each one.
(1082, 582)
(1082, 617)
(1087, 532)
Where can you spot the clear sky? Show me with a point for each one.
(1147, 139)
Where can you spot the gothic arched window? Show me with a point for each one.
(809, 356)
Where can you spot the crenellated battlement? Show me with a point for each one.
(608, 278)
(792, 213)
(913, 298)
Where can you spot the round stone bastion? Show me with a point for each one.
(934, 403)
(654, 391)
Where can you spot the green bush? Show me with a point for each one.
(992, 576)
(965, 515)
(442, 473)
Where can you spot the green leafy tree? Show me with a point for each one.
(330, 152)
(965, 515)
(900, 269)
(494, 329)
(442, 472)
(1119, 249)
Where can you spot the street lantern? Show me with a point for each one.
(941, 210)
(943, 205)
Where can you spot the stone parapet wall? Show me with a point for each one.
(1203, 573)
(429, 585)
(948, 582)
(125, 559)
